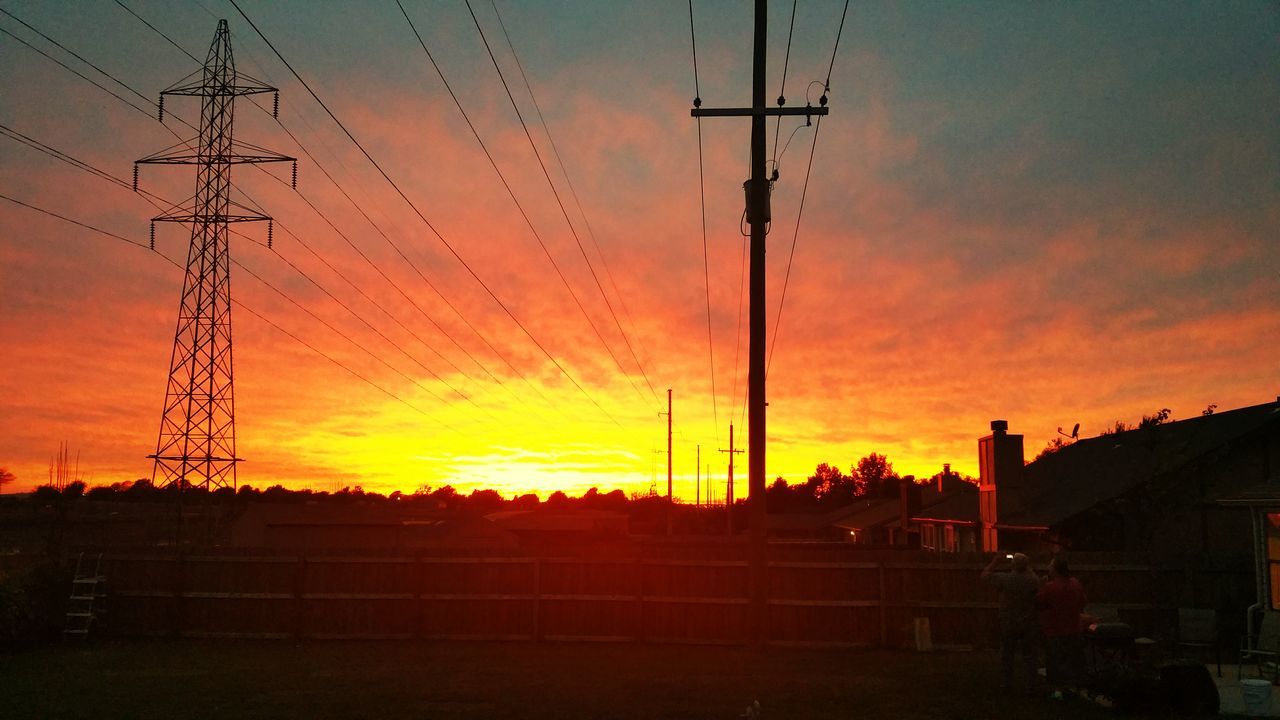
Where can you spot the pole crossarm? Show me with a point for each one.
(807, 110)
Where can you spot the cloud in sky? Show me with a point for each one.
(1050, 214)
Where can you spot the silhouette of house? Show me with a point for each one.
(941, 516)
(1153, 489)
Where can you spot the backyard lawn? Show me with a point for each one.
(229, 679)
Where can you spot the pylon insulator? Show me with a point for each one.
(153, 236)
(270, 232)
(161, 105)
(135, 177)
(294, 182)
(275, 106)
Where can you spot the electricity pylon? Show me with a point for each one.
(197, 443)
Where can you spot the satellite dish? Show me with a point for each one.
(1075, 432)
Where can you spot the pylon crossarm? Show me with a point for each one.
(190, 216)
(202, 90)
(234, 159)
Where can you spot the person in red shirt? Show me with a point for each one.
(1061, 602)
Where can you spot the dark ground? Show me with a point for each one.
(228, 679)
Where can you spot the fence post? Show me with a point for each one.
(537, 599)
(179, 589)
(419, 575)
(884, 620)
(639, 574)
(299, 604)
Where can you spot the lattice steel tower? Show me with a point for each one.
(197, 443)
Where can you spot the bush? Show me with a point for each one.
(32, 604)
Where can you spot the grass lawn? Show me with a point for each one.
(228, 679)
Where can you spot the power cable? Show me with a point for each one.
(511, 192)
(702, 195)
(782, 89)
(361, 211)
(569, 181)
(234, 301)
(803, 193)
(559, 201)
(35, 144)
(424, 219)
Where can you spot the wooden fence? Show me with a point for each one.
(868, 602)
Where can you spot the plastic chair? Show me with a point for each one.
(1265, 645)
(1198, 628)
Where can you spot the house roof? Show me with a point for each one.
(958, 501)
(1092, 471)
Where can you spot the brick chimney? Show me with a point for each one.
(1000, 463)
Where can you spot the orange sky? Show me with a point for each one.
(1049, 215)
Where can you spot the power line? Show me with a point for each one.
(379, 270)
(777, 322)
(702, 195)
(424, 220)
(559, 201)
(569, 181)
(505, 184)
(238, 303)
(35, 144)
(782, 89)
(75, 72)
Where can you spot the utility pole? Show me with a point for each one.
(669, 499)
(197, 442)
(758, 188)
(728, 495)
(697, 487)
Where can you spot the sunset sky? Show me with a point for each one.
(1050, 213)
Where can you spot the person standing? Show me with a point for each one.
(1061, 602)
(1018, 629)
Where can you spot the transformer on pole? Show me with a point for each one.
(197, 442)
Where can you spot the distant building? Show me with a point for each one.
(940, 516)
(1153, 489)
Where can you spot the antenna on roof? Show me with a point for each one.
(1075, 432)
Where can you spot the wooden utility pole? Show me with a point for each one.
(728, 495)
(758, 215)
(669, 498)
(697, 487)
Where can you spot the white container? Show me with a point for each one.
(1256, 694)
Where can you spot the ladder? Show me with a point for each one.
(86, 588)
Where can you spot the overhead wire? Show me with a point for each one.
(702, 195)
(782, 89)
(803, 194)
(236, 302)
(556, 193)
(511, 192)
(153, 199)
(569, 182)
(413, 206)
(182, 142)
(399, 289)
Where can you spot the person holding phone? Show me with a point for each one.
(1019, 629)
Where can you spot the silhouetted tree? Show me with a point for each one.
(6, 478)
(873, 476)
(484, 501)
(1054, 446)
(829, 486)
(528, 501)
(1160, 417)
